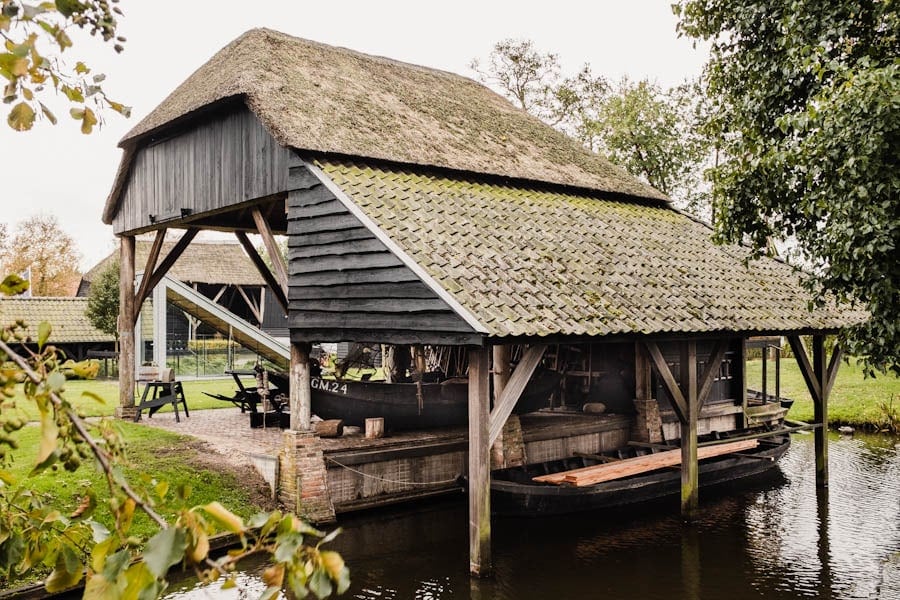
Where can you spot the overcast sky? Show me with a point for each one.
(59, 171)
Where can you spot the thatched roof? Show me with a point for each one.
(203, 261)
(315, 97)
(536, 262)
(66, 315)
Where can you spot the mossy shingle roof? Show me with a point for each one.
(316, 97)
(203, 261)
(66, 315)
(531, 262)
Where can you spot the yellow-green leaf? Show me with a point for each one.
(13, 285)
(62, 578)
(44, 330)
(93, 397)
(227, 519)
(49, 436)
(88, 121)
(21, 117)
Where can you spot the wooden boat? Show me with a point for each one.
(514, 492)
(442, 404)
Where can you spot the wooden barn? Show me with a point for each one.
(217, 270)
(422, 208)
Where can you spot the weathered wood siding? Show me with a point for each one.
(228, 159)
(346, 285)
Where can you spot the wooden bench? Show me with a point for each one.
(160, 388)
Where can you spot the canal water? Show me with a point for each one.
(773, 539)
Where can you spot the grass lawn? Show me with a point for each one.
(153, 455)
(854, 400)
(109, 392)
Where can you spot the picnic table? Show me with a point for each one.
(160, 388)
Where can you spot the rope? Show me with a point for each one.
(432, 483)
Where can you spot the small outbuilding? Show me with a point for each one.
(422, 208)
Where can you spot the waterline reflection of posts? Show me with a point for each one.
(690, 563)
(824, 545)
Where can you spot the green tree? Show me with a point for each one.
(654, 133)
(805, 109)
(39, 243)
(103, 300)
(533, 81)
(36, 534)
(650, 131)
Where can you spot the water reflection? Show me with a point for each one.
(776, 539)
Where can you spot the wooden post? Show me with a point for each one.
(300, 394)
(642, 371)
(690, 470)
(126, 327)
(479, 463)
(819, 380)
(820, 411)
(744, 419)
(159, 326)
(500, 371)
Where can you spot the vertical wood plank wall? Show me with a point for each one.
(219, 163)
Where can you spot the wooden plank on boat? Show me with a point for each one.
(641, 464)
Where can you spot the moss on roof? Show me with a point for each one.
(66, 316)
(531, 262)
(312, 96)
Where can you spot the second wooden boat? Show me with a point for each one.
(514, 491)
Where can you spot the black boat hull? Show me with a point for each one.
(442, 404)
(514, 498)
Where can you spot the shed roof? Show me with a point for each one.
(67, 316)
(525, 261)
(316, 97)
(203, 261)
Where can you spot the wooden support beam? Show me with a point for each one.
(250, 304)
(164, 266)
(479, 462)
(819, 376)
(642, 372)
(820, 411)
(690, 469)
(806, 369)
(144, 289)
(262, 226)
(504, 405)
(220, 293)
(500, 363)
(833, 366)
(679, 403)
(263, 269)
(126, 324)
(744, 404)
(300, 392)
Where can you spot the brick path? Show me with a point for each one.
(226, 430)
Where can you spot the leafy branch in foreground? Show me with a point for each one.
(36, 537)
(31, 70)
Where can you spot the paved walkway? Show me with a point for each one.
(226, 430)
